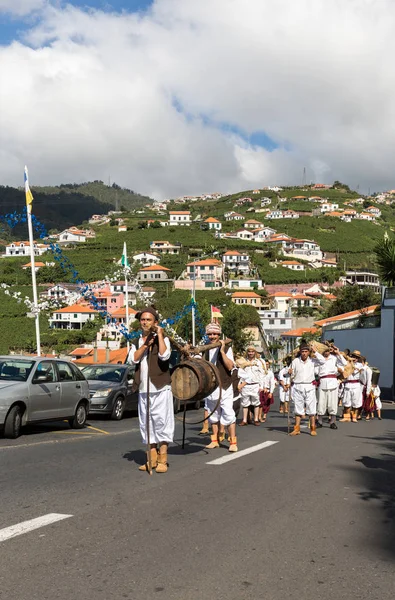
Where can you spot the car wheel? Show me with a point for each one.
(79, 419)
(13, 423)
(118, 409)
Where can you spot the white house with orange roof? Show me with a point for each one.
(207, 269)
(365, 216)
(23, 249)
(213, 223)
(154, 273)
(329, 207)
(249, 298)
(165, 247)
(146, 258)
(233, 216)
(179, 217)
(236, 261)
(245, 234)
(252, 224)
(37, 265)
(293, 265)
(72, 317)
(263, 233)
(111, 331)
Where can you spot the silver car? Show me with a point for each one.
(37, 389)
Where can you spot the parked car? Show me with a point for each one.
(33, 390)
(110, 388)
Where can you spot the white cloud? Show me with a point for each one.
(20, 7)
(93, 95)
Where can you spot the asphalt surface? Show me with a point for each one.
(306, 517)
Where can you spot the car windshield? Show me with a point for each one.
(104, 373)
(15, 370)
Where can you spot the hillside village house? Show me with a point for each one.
(72, 317)
(111, 331)
(252, 224)
(154, 273)
(374, 211)
(207, 269)
(302, 248)
(120, 287)
(245, 234)
(23, 249)
(274, 323)
(37, 266)
(179, 217)
(265, 202)
(165, 247)
(363, 278)
(242, 201)
(146, 258)
(275, 214)
(250, 298)
(233, 216)
(213, 223)
(122, 228)
(283, 300)
(290, 214)
(263, 233)
(62, 292)
(236, 261)
(109, 301)
(147, 292)
(244, 284)
(293, 265)
(73, 234)
(365, 216)
(329, 207)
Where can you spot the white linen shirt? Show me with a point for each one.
(253, 374)
(304, 371)
(269, 382)
(330, 367)
(144, 364)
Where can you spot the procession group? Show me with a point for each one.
(309, 386)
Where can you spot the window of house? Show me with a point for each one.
(271, 321)
(282, 321)
(144, 275)
(75, 315)
(157, 275)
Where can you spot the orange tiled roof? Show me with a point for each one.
(179, 212)
(120, 313)
(76, 308)
(349, 315)
(299, 332)
(36, 264)
(155, 268)
(207, 261)
(212, 220)
(290, 262)
(115, 357)
(245, 295)
(81, 352)
(232, 252)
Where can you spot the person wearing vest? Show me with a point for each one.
(352, 398)
(329, 384)
(224, 415)
(156, 348)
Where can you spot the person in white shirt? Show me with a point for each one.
(251, 376)
(284, 380)
(266, 395)
(375, 393)
(303, 391)
(224, 414)
(151, 356)
(352, 397)
(328, 385)
(365, 377)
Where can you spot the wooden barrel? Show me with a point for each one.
(375, 376)
(193, 379)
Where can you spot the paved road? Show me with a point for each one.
(305, 517)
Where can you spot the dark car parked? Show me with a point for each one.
(111, 389)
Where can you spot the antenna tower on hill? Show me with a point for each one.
(304, 177)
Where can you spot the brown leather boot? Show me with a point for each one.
(233, 444)
(162, 465)
(204, 430)
(354, 416)
(312, 426)
(154, 460)
(214, 443)
(346, 415)
(296, 430)
(281, 407)
(286, 408)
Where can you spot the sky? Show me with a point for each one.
(182, 97)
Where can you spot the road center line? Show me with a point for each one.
(26, 526)
(225, 459)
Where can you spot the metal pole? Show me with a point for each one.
(193, 309)
(34, 283)
(127, 308)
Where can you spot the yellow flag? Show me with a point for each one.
(29, 195)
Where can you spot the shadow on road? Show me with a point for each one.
(378, 482)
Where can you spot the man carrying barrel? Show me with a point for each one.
(151, 356)
(222, 358)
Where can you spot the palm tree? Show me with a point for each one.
(385, 258)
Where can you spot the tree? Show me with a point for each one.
(236, 319)
(352, 298)
(385, 258)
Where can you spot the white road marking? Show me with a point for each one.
(26, 526)
(225, 459)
